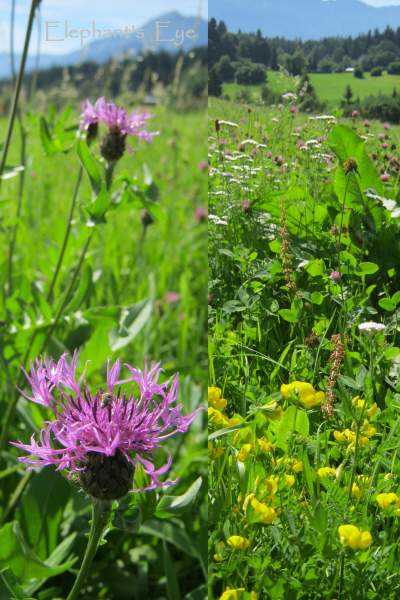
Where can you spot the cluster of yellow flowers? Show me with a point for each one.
(305, 391)
(352, 537)
(230, 594)
(348, 437)
(216, 417)
(385, 500)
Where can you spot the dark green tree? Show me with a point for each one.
(348, 94)
(214, 83)
(274, 59)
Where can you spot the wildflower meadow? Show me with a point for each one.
(103, 354)
(304, 390)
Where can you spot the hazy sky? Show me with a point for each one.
(80, 14)
(382, 2)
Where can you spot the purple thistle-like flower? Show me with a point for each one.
(119, 122)
(131, 428)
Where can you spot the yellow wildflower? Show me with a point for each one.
(324, 471)
(217, 418)
(274, 415)
(238, 543)
(297, 466)
(244, 453)
(271, 485)
(214, 398)
(214, 453)
(289, 480)
(364, 479)
(264, 445)
(351, 536)
(308, 396)
(385, 500)
(230, 594)
(358, 403)
(268, 514)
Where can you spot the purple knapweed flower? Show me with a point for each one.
(385, 177)
(386, 126)
(102, 438)
(381, 136)
(384, 146)
(366, 123)
(120, 125)
(334, 275)
(202, 166)
(293, 109)
(354, 114)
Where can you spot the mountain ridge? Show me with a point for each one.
(102, 50)
(305, 19)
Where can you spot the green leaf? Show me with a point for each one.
(315, 268)
(348, 259)
(386, 304)
(103, 316)
(41, 509)
(349, 382)
(9, 172)
(147, 500)
(15, 553)
(41, 303)
(392, 353)
(173, 592)
(172, 534)
(346, 143)
(320, 517)
(288, 315)
(126, 517)
(366, 268)
(288, 423)
(134, 321)
(83, 290)
(91, 168)
(317, 298)
(297, 308)
(96, 350)
(48, 144)
(176, 505)
(10, 580)
(396, 298)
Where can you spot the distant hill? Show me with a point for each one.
(305, 19)
(102, 50)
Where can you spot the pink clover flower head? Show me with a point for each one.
(200, 214)
(299, 129)
(327, 181)
(386, 126)
(334, 275)
(385, 177)
(381, 136)
(354, 114)
(293, 109)
(171, 297)
(384, 146)
(243, 120)
(130, 426)
(366, 123)
(246, 206)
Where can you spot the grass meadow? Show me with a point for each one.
(304, 388)
(328, 86)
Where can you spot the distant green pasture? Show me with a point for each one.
(329, 86)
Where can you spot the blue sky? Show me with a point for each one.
(79, 14)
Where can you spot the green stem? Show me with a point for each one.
(100, 515)
(353, 470)
(13, 403)
(19, 205)
(67, 231)
(341, 576)
(17, 89)
(338, 251)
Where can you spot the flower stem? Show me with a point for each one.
(341, 577)
(100, 515)
(338, 250)
(17, 89)
(67, 231)
(353, 470)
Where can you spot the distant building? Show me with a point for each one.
(350, 70)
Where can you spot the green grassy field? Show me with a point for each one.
(329, 86)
